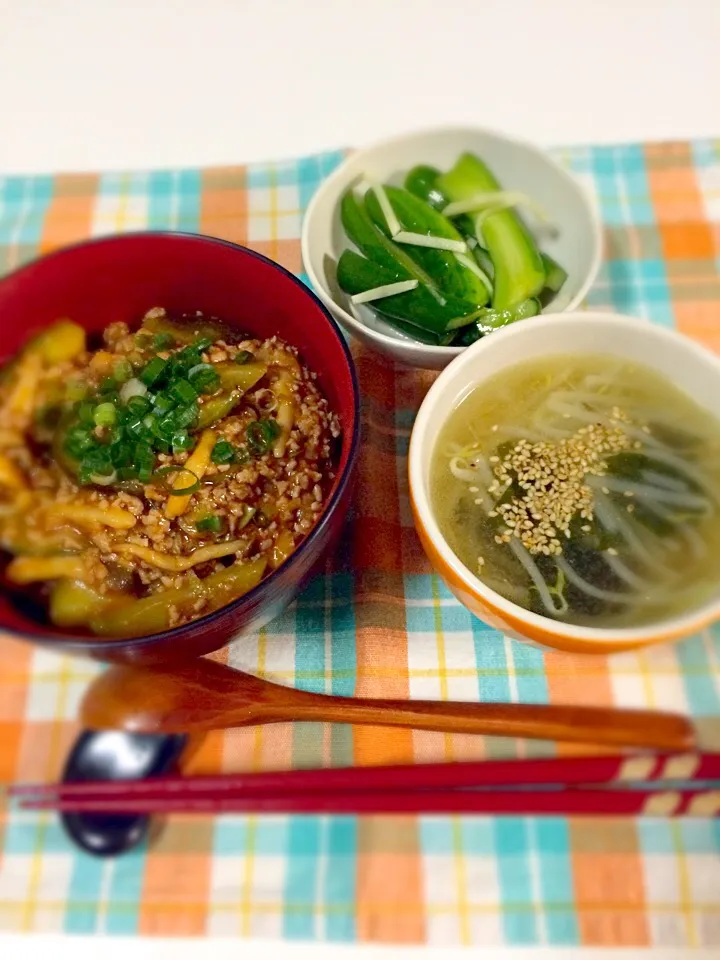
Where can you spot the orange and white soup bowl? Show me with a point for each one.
(691, 368)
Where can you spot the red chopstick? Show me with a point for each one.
(566, 771)
(552, 802)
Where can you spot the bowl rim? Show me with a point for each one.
(71, 643)
(658, 631)
(423, 350)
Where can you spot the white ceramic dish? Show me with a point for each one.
(692, 369)
(518, 166)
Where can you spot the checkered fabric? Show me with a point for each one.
(378, 623)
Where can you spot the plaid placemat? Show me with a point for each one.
(379, 623)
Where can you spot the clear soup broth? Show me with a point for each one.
(585, 489)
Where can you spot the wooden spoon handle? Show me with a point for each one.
(597, 725)
(210, 696)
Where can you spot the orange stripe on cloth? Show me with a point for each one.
(69, 216)
(687, 241)
(44, 748)
(609, 886)
(390, 905)
(577, 678)
(176, 888)
(701, 321)
(15, 665)
(386, 649)
(285, 252)
(224, 204)
(677, 202)
(675, 194)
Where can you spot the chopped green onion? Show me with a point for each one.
(121, 453)
(144, 461)
(204, 378)
(104, 479)
(76, 390)
(211, 524)
(123, 371)
(139, 430)
(185, 416)
(202, 344)
(115, 434)
(107, 385)
(163, 341)
(105, 415)
(86, 413)
(260, 435)
(183, 392)
(163, 404)
(153, 371)
(164, 472)
(96, 463)
(181, 441)
(244, 356)
(78, 441)
(138, 406)
(222, 452)
(165, 429)
(143, 340)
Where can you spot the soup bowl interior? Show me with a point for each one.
(118, 279)
(690, 367)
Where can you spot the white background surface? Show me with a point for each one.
(100, 84)
(89, 948)
(96, 84)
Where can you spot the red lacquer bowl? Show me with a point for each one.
(120, 278)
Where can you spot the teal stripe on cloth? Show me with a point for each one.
(23, 204)
(513, 851)
(81, 915)
(340, 884)
(702, 684)
(303, 865)
(125, 893)
(549, 836)
(174, 200)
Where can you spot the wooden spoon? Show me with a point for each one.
(204, 695)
